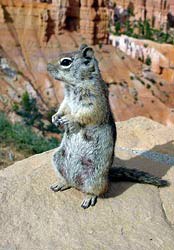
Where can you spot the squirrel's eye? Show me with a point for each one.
(65, 62)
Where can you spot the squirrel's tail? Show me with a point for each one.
(135, 175)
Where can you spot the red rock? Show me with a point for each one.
(155, 10)
(32, 33)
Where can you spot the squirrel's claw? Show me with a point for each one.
(59, 187)
(89, 200)
(56, 119)
(66, 121)
(70, 125)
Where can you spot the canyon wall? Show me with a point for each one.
(159, 12)
(33, 32)
(30, 29)
(160, 55)
(48, 17)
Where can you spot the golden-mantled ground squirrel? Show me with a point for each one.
(85, 156)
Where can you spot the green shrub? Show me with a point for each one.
(145, 30)
(148, 61)
(4, 124)
(15, 107)
(117, 27)
(152, 80)
(148, 86)
(130, 10)
(100, 45)
(24, 138)
(29, 111)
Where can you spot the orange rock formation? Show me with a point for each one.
(33, 32)
(158, 11)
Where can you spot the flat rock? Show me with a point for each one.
(130, 217)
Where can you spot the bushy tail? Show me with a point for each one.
(135, 175)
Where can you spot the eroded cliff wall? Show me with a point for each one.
(48, 17)
(159, 12)
(33, 33)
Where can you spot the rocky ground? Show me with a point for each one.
(131, 216)
(9, 154)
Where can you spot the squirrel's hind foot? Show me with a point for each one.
(59, 187)
(90, 200)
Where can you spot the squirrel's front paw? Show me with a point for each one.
(70, 125)
(56, 119)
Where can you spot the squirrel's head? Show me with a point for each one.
(73, 67)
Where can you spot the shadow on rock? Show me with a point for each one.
(156, 161)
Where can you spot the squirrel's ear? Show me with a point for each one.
(82, 46)
(88, 52)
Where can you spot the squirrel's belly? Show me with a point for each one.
(85, 155)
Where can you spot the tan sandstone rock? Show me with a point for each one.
(131, 216)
